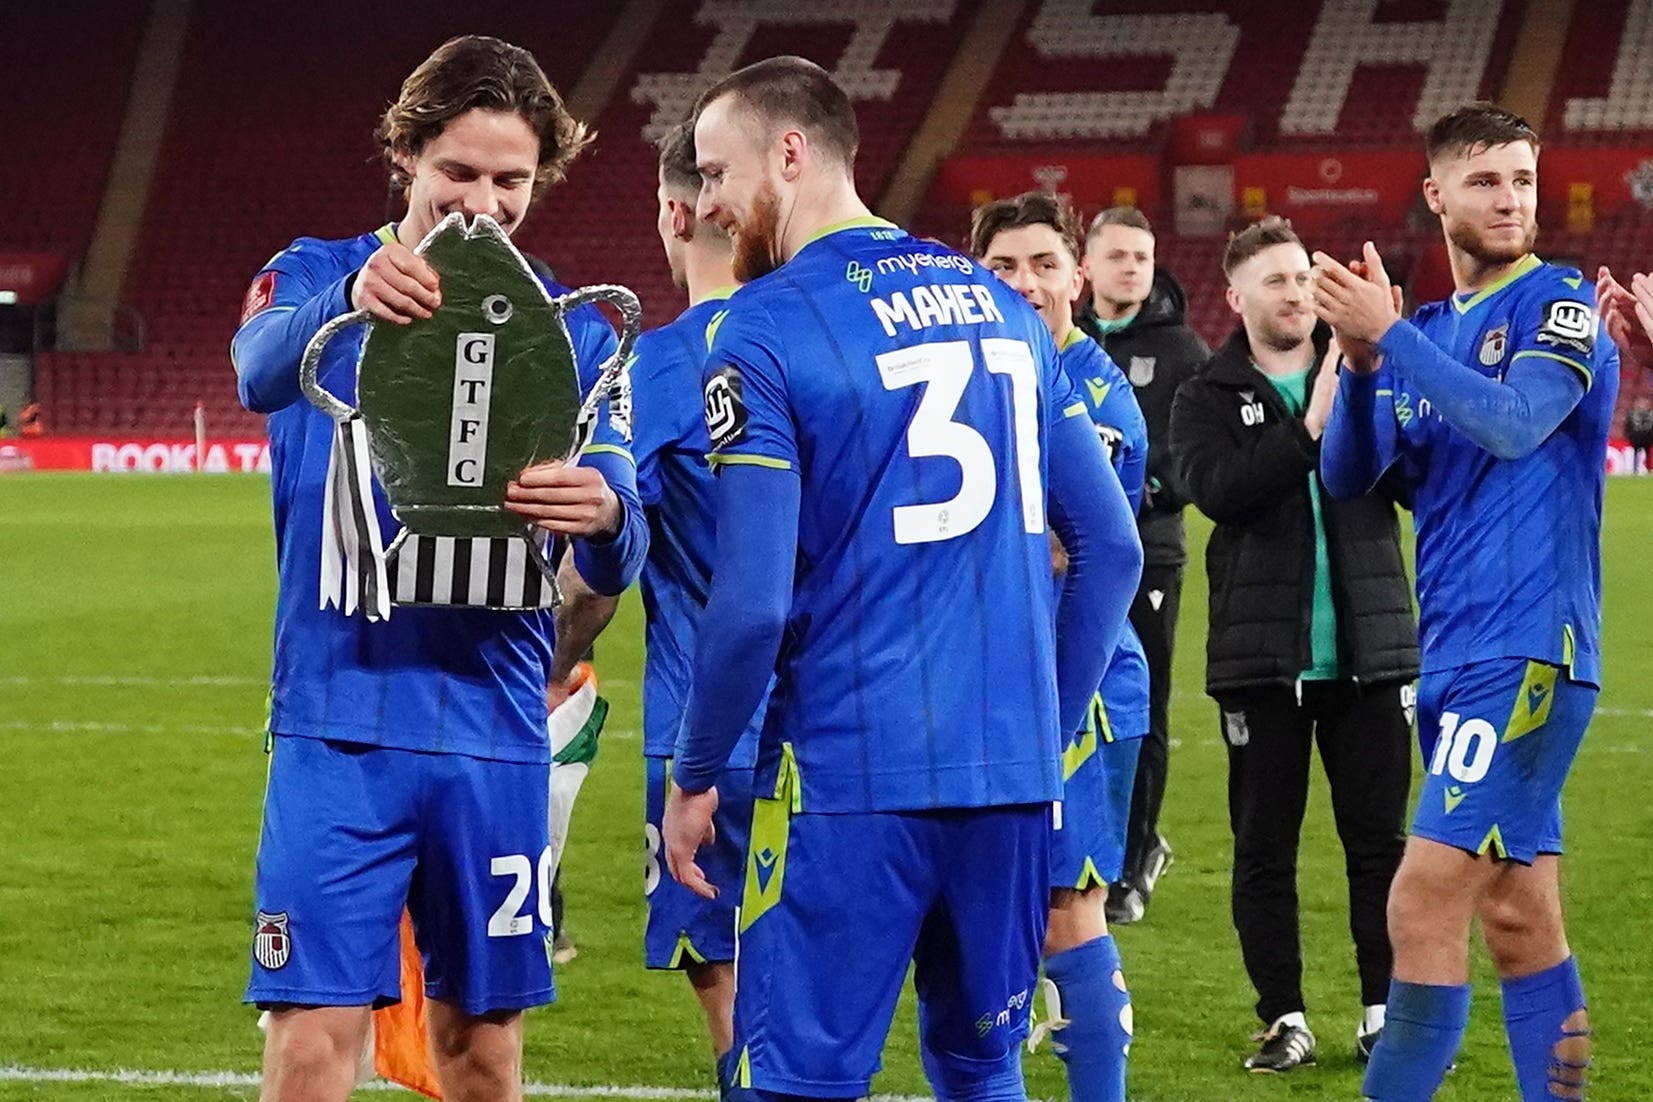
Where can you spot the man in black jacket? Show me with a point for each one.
(1311, 634)
(1137, 313)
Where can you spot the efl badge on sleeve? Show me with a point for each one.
(452, 408)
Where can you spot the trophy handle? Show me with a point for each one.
(631, 325)
(320, 396)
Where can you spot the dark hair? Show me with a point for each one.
(1119, 216)
(1030, 208)
(476, 71)
(1256, 237)
(677, 157)
(1475, 127)
(796, 91)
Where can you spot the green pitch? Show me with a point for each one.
(134, 647)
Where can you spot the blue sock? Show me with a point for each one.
(1536, 1009)
(1098, 1008)
(1422, 1029)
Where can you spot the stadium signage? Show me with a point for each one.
(1313, 189)
(31, 277)
(133, 455)
(1090, 180)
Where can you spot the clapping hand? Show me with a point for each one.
(1627, 314)
(1357, 301)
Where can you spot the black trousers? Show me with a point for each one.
(1364, 734)
(1154, 616)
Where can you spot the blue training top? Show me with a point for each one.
(1506, 500)
(675, 483)
(443, 680)
(1111, 400)
(915, 398)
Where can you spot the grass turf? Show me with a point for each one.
(134, 648)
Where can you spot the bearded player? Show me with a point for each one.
(1495, 404)
(889, 423)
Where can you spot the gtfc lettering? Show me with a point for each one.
(473, 379)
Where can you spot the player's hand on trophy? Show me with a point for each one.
(1627, 314)
(1361, 306)
(396, 285)
(567, 499)
(686, 827)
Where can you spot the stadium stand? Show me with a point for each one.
(600, 225)
(257, 152)
(1594, 104)
(1352, 72)
(278, 142)
(60, 121)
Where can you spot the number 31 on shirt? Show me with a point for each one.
(946, 368)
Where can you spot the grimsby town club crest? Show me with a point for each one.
(272, 944)
(1493, 344)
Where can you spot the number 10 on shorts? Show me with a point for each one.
(1464, 748)
(512, 919)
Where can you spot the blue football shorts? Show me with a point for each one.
(353, 832)
(682, 928)
(1099, 777)
(834, 909)
(1498, 738)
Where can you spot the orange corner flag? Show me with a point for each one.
(401, 1052)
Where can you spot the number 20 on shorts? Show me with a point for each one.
(512, 919)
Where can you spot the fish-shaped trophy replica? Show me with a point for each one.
(452, 408)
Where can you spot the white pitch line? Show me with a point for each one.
(137, 682)
(228, 1080)
(1631, 713)
(100, 727)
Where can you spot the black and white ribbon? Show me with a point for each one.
(353, 566)
(476, 572)
(499, 572)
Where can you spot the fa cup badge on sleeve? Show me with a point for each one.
(451, 409)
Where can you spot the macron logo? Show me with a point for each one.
(766, 862)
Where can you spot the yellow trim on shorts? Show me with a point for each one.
(1530, 712)
(685, 948)
(1089, 877)
(771, 830)
(1493, 843)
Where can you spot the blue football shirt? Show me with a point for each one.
(445, 680)
(1509, 551)
(1111, 402)
(913, 392)
(678, 491)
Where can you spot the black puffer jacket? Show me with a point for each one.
(1246, 462)
(1157, 351)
